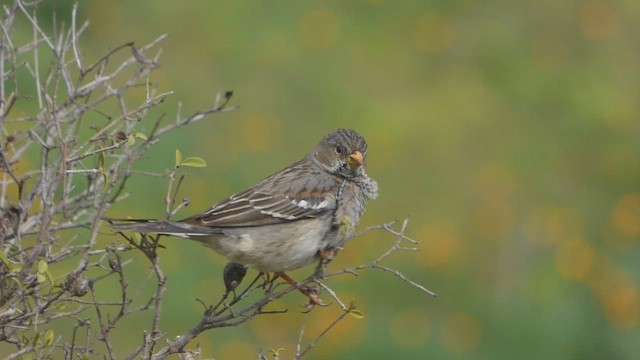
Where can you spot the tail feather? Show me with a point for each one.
(165, 227)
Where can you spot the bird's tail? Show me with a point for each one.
(164, 227)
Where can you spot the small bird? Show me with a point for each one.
(299, 215)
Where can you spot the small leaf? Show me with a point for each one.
(194, 162)
(178, 158)
(5, 260)
(131, 140)
(48, 338)
(42, 267)
(357, 314)
(140, 136)
(49, 276)
(17, 267)
(352, 304)
(105, 180)
(276, 352)
(137, 237)
(101, 160)
(41, 278)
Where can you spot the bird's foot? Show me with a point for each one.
(314, 299)
(311, 293)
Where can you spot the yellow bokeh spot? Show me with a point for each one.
(626, 216)
(549, 51)
(598, 20)
(237, 350)
(461, 333)
(318, 30)
(442, 242)
(409, 328)
(606, 276)
(622, 307)
(278, 332)
(548, 226)
(574, 259)
(434, 32)
(259, 132)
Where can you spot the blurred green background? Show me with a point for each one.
(508, 130)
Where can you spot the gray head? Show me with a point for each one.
(342, 153)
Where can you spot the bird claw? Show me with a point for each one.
(310, 292)
(314, 300)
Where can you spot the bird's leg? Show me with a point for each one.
(314, 299)
(327, 254)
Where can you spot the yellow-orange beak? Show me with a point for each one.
(355, 159)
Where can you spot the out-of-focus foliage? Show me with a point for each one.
(508, 130)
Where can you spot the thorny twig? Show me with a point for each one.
(73, 182)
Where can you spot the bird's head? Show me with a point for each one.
(342, 153)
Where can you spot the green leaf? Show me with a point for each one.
(140, 136)
(5, 260)
(42, 267)
(101, 158)
(17, 267)
(194, 162)
(41, 278)
(48, 338)
(276, 352)
(178, 158)
(49, 276)
(137, 237)
(105, 180)
(357, 314)
(131, 140)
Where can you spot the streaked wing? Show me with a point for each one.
(252, 208)
(282, 197)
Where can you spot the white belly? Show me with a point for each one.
(273, 248)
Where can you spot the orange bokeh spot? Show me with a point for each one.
(442, 242)
(626, 216)
(574, 259)
(597, 20)
(622, 307)
(318, 30)
(461, 333)
(434, 32)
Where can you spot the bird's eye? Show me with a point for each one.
(341, 150)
